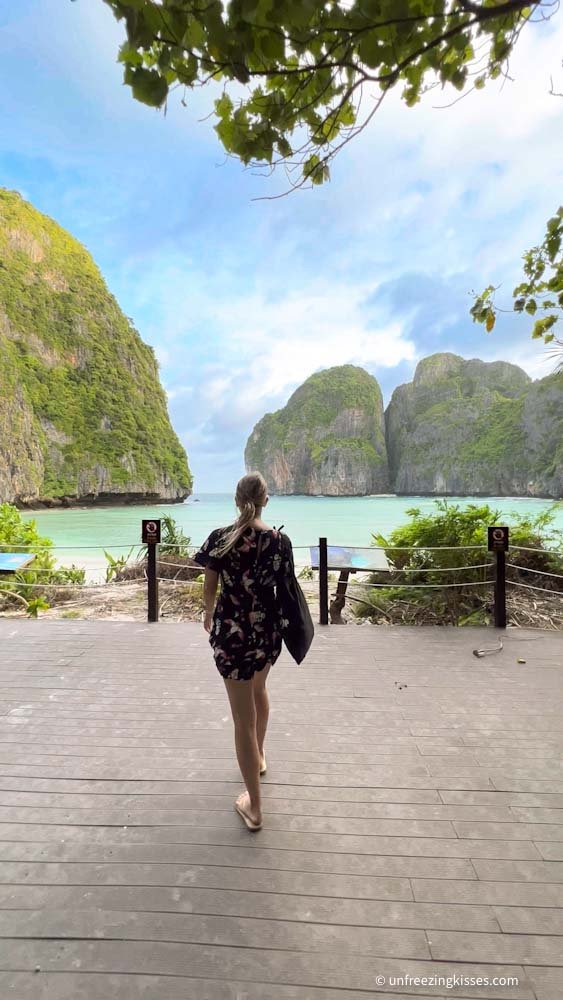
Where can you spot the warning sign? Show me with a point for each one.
(498, 539)
(151, 532)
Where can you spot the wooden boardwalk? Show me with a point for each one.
(413, 818)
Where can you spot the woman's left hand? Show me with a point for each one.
(207, 621)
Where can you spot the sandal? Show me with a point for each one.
(249, 822)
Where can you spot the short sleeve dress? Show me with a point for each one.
(246, 635)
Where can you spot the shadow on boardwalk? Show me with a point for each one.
(409, 831)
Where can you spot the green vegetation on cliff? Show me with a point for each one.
(498, 435)
(354, 445)
(325, 394)
(329, 437)
(74, 375)
(468, 427)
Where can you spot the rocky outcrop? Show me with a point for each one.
(460, 428)
(542, 423)
(83, 417)
(329, 439)
(21, 457)
(476, 428)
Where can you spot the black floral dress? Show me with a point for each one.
(246, 634)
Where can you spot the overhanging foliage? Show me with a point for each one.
(301, 78)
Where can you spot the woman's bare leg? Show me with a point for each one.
(243, 709)
(262, 704)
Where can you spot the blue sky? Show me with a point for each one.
(244, 299)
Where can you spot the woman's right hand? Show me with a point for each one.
(207, 620)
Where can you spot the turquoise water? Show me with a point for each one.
(80, 534)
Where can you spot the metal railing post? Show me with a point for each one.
(323, 582)
(152, 582)
(500, 589)
(150, 536)
(497, 538)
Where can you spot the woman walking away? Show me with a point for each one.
(245, 625)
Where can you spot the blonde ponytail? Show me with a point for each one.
(251, 495)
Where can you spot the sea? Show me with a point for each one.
(81, 534)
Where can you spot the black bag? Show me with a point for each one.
(299, 631)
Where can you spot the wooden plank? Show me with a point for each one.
(249, 965)
(95, 986)
(264, 905)
(415, 831)
(351, 813)
(154, 843)
(225, 931)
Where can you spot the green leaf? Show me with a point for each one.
(316, 170)
(272, 45)
(285, 148)
(459, 79)
(194, 36)
(147, 85)
(129, 54)
(370, 50)
(542, 326)
(240, 72)
(224, 106)
(411, 96)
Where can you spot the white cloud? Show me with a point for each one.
(261, 347)
(180, 391)
(289, 338)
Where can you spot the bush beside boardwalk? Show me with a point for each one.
(461, 533)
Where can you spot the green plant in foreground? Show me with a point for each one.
(20, 535)
(116, 564)
(450, 529)
(36, 605)
(173, 539)
(17, 534)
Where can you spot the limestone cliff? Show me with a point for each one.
(83, 416)
(329, 439)
(475, 428)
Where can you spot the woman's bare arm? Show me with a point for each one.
(210, 583)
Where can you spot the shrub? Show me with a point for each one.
(453, 531)
(19, 535)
